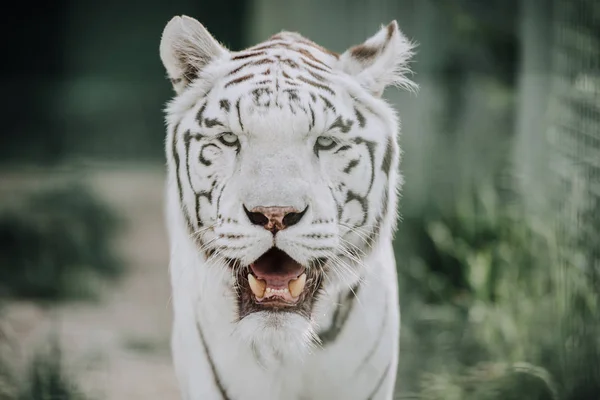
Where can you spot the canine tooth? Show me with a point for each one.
(257, 286)
(296, 286)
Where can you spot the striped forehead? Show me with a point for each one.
(285, 80)
(279, 71)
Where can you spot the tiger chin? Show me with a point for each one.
(283, 174)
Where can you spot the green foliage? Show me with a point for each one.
(504, 311)
(53, 244)
(44, 378)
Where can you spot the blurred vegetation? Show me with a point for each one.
(496, 303)
(55, 243)
(97, 88)
(44, 377)
(493, 309)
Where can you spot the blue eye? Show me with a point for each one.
(229, 139)
(325, 143)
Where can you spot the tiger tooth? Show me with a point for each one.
(296, 286)
(257, 285)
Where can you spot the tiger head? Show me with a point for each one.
(282, 163)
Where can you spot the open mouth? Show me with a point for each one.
(276, 282)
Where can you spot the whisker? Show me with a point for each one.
(197, 233)
(358, 249)
(364, 235)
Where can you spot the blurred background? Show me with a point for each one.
(499, 245)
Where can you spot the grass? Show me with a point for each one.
(44, 378)
(53, 244)
(498, 306)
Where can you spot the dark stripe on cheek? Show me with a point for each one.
(187, 137)
(201, 158)
(343, 148)
(351, 165)
(364, 205)
(386, 165)
(178, 177)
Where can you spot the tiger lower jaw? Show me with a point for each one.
(290, 294)
(277, 284)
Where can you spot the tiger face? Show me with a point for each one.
(284, 161)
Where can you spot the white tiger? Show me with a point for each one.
(281, 206)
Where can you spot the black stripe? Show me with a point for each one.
(312, 118)
(238, 69)
(187, 137)
(344, 126)
(200, 115)
(219, 201)
(378, 338)
(386, 165)
(364, 205)
(371, 148)
(360, 117)
(224, 104)
(310, 64)
(328, 104)
(340, 317)
(374, 234)
(237, 106)
(317, 76)
(248, 55)
(380, 382)
(316, 84)
(351, 165)
(212, 365)
(201, 158)
(343, 148)
(179, 187)
(210, 122)
(239, 80)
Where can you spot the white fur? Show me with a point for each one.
(266, 355)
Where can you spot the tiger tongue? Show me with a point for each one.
(276, 274)
(276, 268)
(276, 280)
(262, 290)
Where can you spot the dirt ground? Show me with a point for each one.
(116, 348)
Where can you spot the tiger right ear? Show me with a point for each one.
(186, 48)
(380, 61)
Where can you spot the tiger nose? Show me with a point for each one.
(275, 219)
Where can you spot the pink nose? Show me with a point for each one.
(274, 219)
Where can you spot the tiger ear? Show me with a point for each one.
(186, 48)
(382, 60)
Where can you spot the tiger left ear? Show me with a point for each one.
(186, 48)
(382, 60)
